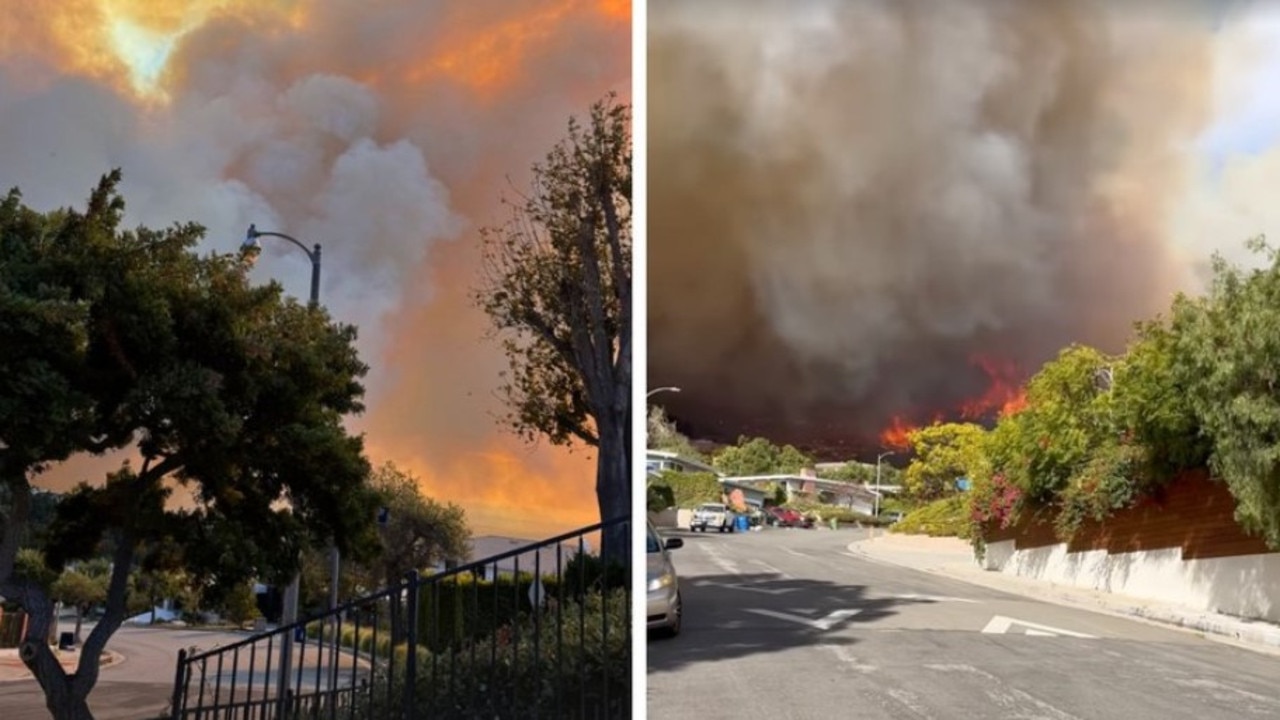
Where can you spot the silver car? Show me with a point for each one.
(665, 607)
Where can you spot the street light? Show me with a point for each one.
(251, 244)
(655, 391)
(880, 457)
(289, 613)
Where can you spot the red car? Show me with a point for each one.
(788, 517)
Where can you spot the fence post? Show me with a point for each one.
(179, 687)
(411, 641)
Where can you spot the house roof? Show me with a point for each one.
(487, 546)
(675, 457)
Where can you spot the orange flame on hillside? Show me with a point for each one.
(1005, 395)
(898, 435)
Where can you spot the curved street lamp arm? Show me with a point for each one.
(254, 233)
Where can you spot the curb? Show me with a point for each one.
(16, 671)
(1256, 635)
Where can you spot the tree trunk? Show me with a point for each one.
(613, 484)
(79, 622)
(65, 703)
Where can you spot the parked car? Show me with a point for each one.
(665, 606)
(893, 516)
(712, 515)
(788, 517)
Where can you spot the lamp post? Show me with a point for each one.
(289, 613)
(655, 391)
(880, 457)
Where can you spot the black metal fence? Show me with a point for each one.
(541, 631)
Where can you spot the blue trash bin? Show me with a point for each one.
(743, 523)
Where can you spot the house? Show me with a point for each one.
(547, 560)
(739, 495)
(855, 496)
(658, 461)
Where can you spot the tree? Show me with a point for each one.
(418, 534)
(664, 435)
(557, 289)
(758, 456)
(231, 395)
(659, 497)
(1226, 345)
(690, 489)
(1068, 415)
(82, 587)
(941, 454)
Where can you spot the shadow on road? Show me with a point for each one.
(733, 616)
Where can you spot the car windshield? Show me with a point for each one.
(712, 508)
(655, 543)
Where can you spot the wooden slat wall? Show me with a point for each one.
(1193, 513)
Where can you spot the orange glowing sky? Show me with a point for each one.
(387, 132)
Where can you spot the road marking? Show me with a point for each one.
(932, 598)
(744, 586)
(820, 624)
(1000, 625)
(772, 569)
(720, 561)
(797, 553)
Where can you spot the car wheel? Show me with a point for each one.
(677, 621)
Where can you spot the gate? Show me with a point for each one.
(541, 631)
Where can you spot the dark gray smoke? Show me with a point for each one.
(851, 200)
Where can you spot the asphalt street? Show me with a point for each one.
(789, 624)
(139, 687)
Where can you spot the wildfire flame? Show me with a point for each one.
(897, 435)
(1005, 395)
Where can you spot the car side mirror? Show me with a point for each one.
(673, 543)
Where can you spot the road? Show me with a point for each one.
(788, 624)
(137, 688)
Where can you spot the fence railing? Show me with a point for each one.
(541, 631)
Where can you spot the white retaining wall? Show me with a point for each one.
(1244, 586)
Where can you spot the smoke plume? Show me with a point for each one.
(857, 206)
(386, 132)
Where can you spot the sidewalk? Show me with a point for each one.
(11, 667)
(953, 558)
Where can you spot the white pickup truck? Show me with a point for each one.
(712, 515)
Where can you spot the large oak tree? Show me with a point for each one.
(231, 398)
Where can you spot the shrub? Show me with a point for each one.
(571, 661)
(949, 516)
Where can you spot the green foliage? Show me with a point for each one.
(1225, 349)
(128, 339)
(689, 490)
(1113, 478)
(1152, 406)
(758, 456)
(659, 497)
(1067, 415)
(663, 435)
(420, 532)
(558, 282)
(240, 605)
(947, 516)
(943, 453)
(84, 585)
(571, 657)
